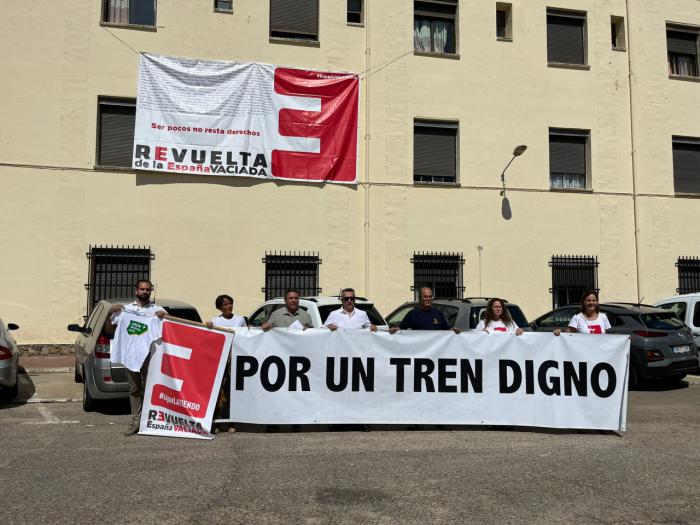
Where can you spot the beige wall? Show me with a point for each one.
(209, 235)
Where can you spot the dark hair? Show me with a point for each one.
(583, 300)
(346, 290)
(505, 316)
(290, 290)
(220, 300)
(138, 283)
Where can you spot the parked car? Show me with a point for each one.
(662, 347)
(318, 307)
(102, 379)
(464, 314)
(685, 307)
(9, 361)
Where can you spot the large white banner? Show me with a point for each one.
(317, 376)
(207, 117)
(184, 378)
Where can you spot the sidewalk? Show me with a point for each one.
(40, 363)
(47, 379)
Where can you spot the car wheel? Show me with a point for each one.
(76, 373)
(8, 394)
(670, 380)
(88, 401)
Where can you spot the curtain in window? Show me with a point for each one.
(117, 11)
(440, 36)
(682, 65)
(421, 35)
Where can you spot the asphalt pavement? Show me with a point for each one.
(59, 464)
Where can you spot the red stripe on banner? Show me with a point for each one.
(198, 373)
(335, 125)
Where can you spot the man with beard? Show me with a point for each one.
(137, 380)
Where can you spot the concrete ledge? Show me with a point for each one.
(46, 349)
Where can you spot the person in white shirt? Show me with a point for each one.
(137, 380)
(348, 317)
(590, 320)
(497, 319)
(224, 303)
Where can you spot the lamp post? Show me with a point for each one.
(519, 150)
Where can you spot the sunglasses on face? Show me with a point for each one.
(348, 298)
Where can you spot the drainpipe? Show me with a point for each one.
(367, 137)
(634, 149)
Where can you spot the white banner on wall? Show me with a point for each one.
(317, 376)
(206, 117)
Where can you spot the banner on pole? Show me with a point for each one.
(184, 378)
(245, 119)
(318, 376)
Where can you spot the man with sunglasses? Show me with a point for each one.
(348, 317)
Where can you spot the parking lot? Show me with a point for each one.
(62, 465)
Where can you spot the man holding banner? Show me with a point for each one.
(348, 317)
(289, 317)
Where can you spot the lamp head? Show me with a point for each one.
(519, 150)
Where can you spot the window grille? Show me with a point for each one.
(291, 270)
(571, 276)
(443, 272)
(114, 272)
(688, 275)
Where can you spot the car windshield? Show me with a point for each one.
(185, 313)
(515, 312)
(374, 316)
(661, 321)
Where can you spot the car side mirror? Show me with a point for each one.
(80, 329)
(12, 326)
(533, 325)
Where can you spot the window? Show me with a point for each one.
(476, 314)
(435, 151)
(291, 270)
(504, 25)
(566, 37)
(434, 27)
(686, 165)
(688, 275)
(223, 6)
(558, 319)
(115, 132)
(296, 19)
(114, 272)
(442, 272)
(129, 12)
(682, 44)
(568, 158)
(355, 12)
(571, 276)
(617, 33)
(678, 308)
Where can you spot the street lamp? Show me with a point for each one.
(519, 150)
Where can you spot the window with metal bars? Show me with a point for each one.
(291, 270)
(442, 272)
(688, 275)
(114, 272)
(571, 276)
(296, 19)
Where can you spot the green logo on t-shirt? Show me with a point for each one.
(136, 328)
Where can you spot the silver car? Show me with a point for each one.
(9, 362)
(101, 378)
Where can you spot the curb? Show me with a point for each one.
(33, 400)
(64, 369)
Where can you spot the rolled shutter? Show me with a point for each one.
(116, 135)
(565, 39)
(294, 16)
(567, 154)
(686, 167)
(435, 151)
(680, 42)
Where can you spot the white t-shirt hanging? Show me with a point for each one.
(133, 339)
(496, 327)
(584, 326)
(235, 322)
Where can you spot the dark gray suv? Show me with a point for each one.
(461, 313)
(661, 346)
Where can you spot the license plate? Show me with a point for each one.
(681, 349)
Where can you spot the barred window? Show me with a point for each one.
(571, 276)
(442, 272)
(291, 270)
(688, 275)
(114, 272)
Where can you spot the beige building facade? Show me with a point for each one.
(474, 79)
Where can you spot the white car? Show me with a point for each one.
(685, 307)
(318, 308)
(9, 362)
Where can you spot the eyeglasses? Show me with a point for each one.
(347, 298)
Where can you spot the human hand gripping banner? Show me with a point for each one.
(474, 378)
(245, 120)
(184, 378)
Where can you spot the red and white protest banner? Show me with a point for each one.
(246, 119)
(184, 378)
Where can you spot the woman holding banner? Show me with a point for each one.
(590, 320)
(497, 319)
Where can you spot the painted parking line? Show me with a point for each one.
(48, 418)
